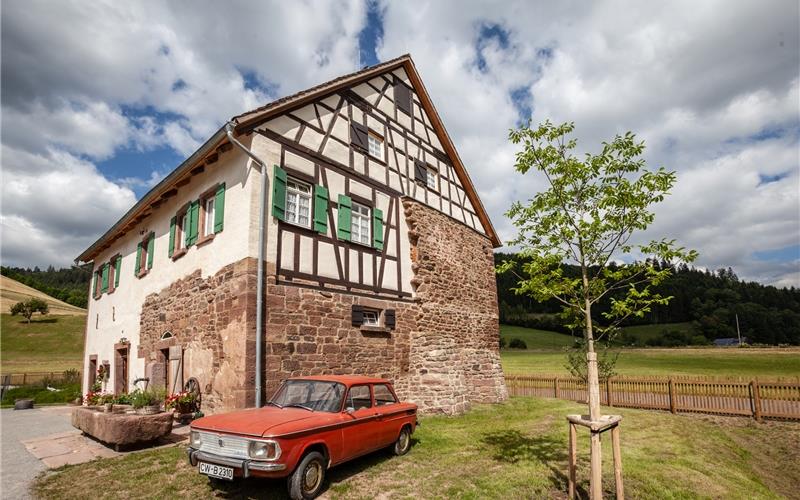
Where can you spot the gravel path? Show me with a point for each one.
(19, 467)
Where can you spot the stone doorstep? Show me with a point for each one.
(72, 447)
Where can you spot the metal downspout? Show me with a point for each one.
(261, 244)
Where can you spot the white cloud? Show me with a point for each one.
(711, 88)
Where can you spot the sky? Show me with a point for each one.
(101, 100)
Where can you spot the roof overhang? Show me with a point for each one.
(248, 121)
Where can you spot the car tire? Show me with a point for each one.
(308, 478)
(403, 443)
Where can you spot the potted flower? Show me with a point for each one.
(183, 403)
(107, 400)
(146, 402)
(92, 398)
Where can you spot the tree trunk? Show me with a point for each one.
(593, 383)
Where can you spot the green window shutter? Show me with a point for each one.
(377, 228)
(171, 248)
(219, 208)
(194, 220)
(279, 193)
(104, 289)
(345, 216)
(117, 266)
(151, 245)
(320, 209)
(137, 267)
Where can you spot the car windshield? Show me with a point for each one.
(312, 395)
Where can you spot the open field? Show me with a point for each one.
(543, 339)
(514, 450)
(720, 362)
(48, 343)
(12, 291)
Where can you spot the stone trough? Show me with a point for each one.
(122, 429)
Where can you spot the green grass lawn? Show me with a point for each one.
(512, 450)
(536, 339)
(48, 343)
(719, 362)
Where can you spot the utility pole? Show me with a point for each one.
(738, 333)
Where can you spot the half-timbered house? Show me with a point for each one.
(377, 256)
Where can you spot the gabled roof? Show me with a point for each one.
(247, 121)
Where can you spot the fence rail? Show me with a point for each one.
(29, 378)
(778, 399)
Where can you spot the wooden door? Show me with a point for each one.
(121, 371)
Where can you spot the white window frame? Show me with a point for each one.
(432, 178)
(356, 218)
(375, 145)
(293, 191)
(183, 223)
(209, 214)
(370, 317)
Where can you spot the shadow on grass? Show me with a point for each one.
(36, 321)
(276, 488)
(512, 446)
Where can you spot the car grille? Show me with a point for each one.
(224, 445)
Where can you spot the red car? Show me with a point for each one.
(309, 425)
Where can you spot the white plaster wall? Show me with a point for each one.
(116, 315)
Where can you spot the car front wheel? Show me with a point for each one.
(403, 443)
(307, 479)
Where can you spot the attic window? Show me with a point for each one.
(402, 96)
(375, 145)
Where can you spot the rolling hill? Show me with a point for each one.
(12, 291)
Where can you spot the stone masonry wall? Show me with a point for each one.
(213, 320)
(443, 353)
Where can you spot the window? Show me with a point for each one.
(431, 178)
(144, 255)
(314, 394)
(371, 317)
(359, 397)
(375, 145)
(359, 224)
(208, 213)
(183, 229)
(298, 202)
(383, 395)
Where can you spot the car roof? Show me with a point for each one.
(345, 379)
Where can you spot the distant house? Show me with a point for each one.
(729, 342)
(378, 256)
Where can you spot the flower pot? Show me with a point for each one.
(108, 407)
(149, 410)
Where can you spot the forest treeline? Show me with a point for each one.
(709, 300)
(70, 284)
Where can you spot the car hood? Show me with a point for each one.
(264, 422)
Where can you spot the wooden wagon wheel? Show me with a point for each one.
(193, 386)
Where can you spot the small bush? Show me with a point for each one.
(517, 344)
(503, 343)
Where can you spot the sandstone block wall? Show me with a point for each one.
(212, 320)
(443, 353)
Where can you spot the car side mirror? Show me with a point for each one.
(350, 410)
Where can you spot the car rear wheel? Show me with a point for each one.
(403, 443)
(307, 479)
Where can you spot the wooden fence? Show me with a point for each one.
(30, 378)
(776, 399)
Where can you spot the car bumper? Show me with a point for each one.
(246, 467)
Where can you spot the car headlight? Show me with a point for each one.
(264, 450)
(194, 439)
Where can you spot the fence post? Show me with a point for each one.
(555, 388)
(608, 392)
(671, 395)
(756, 397)
(24, 378)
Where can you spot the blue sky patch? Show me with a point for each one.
(785, 254)
(370, 37)
(488, 32)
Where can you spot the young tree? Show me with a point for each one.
(587, 217)
(29, 307)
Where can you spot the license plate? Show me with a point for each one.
(219, 471)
